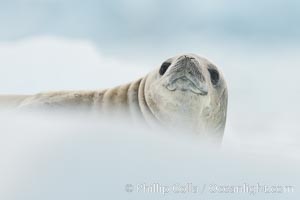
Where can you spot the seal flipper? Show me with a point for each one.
(9, 102)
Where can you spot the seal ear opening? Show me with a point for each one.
(214, 76)
(164, 67)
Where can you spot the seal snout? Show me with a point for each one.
(186, 75)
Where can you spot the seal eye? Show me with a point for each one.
(164, 67)
(214, 76)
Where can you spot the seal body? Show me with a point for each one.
(186, 92)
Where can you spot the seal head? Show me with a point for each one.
(188, 92)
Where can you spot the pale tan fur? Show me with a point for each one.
(149, 98)
(11, 101)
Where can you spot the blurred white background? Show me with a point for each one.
(58, 45)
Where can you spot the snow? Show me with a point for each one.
(83, 158)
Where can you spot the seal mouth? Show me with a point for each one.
(184, 83)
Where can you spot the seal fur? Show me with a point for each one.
(186, 91)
